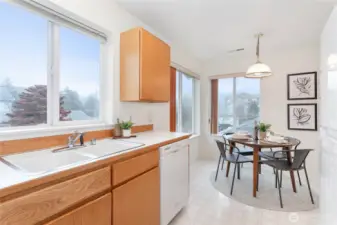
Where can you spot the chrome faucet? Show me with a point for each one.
(74, 137)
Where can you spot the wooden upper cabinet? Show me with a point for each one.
(144, 67)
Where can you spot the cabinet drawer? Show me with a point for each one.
(132, 167)
(97, 212)
(38, 206)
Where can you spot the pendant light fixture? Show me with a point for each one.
(259, 69)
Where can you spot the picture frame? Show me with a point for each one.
(302, 117)
(302, 86)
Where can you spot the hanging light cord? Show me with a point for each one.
(258, 47)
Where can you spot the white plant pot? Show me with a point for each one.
(127, 133)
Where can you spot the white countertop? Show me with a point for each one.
(10, 176)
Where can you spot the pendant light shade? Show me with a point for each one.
(259, 69)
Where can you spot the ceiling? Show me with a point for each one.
(207, 28)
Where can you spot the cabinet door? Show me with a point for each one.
(97, 212)
(130, 65)
(154, 68)
(138, 201)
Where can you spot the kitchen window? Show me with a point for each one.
(185, 102)
(50, 68)
(235, 104)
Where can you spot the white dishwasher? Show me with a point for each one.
(174, 177)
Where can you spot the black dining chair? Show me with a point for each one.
(235, 158)
(297, 164)
(243, 150)
(282, 155)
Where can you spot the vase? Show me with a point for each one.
(126, 132)
(262, 135)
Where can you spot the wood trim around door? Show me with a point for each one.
(173, 103)
(214, 106)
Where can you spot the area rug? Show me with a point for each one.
(267, 196)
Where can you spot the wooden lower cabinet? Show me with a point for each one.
(137, 202)
(97, 212)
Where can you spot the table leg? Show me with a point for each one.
(292, 177)
(255, 169)
(231, 144)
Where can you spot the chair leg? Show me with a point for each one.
(276, 177)
(223, 162)
(279, 188)
(228, 169)
(239, 171)
(299, 177)
(259, 168)
(281, 178)
(258, 182)
(306, 175)
(217, 170)
(233, 178)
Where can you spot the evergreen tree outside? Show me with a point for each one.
(31, 107)
(72, 100)
(8, 93)
(91, 106)
(253, 109)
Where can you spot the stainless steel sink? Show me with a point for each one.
(49, 160)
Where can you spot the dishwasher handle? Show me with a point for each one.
(167, 148)
(170, 150)
(173, 151)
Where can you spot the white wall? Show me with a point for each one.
(328, 198)
(110, 16)
(273, 95)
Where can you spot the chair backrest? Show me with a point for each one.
(296, 142)
(225, 137)
(299, 157)
(222, 147)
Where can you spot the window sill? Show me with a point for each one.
(33, 132)
(195, 136)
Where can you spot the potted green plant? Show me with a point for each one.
(263, 128)
(126, 127)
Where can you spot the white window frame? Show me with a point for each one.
(53, 124)
(179, 76)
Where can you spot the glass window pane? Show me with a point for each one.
(79, 76)
(225, 105)
(247, 103)
(187, 104)
(23, 67)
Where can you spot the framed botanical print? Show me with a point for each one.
(302, 117)
(302, 86)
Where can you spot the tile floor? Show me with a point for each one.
(207, 206)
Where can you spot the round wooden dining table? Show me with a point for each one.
(257, 146)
